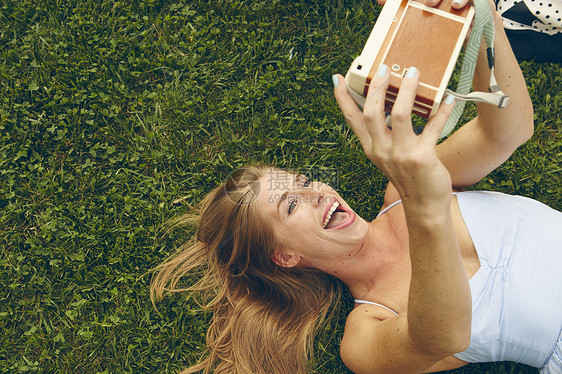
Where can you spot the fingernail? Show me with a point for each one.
(382, 70)
(457, 2)
(411, 72)
(335, 80)
(449, 99)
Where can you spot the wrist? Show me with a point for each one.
(427, 215)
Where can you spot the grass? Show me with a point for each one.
(115, 115)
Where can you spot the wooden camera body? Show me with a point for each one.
(409, 33)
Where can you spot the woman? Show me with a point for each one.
(440, 279)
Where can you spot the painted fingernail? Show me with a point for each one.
(382, 70)
(335, 80)
(411, 72)
(449, 99)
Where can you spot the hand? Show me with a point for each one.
(409, 161)
(456, 5)
(461, 4)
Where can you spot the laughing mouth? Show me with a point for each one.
(336, 217)
(331, 211)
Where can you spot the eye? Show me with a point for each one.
(307, 182)
(292, 205)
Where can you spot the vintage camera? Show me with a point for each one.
(409, 33)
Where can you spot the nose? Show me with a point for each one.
(313, 197)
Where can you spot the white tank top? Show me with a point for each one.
(517, 292)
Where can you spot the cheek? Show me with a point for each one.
(284, 236)
(295, 238)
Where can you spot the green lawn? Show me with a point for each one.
(115, 116)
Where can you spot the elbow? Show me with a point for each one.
(455, 344)
(460, 338)
(445, 346)
(448, 338)
(529, 125)
(520, 130)
(527, 122)
(461, 344)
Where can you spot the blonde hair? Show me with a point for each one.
(265, 316)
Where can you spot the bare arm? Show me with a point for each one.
(484, 143)
(437, 321)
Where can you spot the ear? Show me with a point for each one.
(287, 260)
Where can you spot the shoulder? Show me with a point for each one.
(390, 195)
(359, 323)
(371, 334)
(377, 341)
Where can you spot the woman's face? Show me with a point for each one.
(310, 219)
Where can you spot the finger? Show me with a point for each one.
(432, 2)
(349, 108)
(373, 111)
(458, 4)
(401, 113)
(435, 125)
(381, 2)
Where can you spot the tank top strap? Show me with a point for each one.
(394, 204)
(388, 208)
(358, 301)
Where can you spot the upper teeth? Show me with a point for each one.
(330, 212)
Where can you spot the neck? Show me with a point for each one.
(362, 270)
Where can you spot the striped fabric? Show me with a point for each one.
(483, 25)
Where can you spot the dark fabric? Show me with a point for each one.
(531, 45)
(520, 13)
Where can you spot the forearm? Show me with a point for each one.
(485, 142)
(513, 124)
(439, 307)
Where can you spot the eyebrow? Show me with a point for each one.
(300, 176)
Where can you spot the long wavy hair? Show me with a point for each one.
(265, 316)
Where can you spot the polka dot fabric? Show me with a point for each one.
(543, 16)
(534, 28)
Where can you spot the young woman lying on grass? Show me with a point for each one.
(440, 277)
